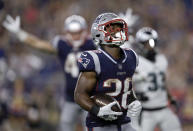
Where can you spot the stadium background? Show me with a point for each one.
(34, 80)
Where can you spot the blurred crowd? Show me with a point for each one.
(31, 83)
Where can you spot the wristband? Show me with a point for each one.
(94, 110)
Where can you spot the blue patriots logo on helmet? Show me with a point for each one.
(98, 19)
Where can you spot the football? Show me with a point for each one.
(103, 99)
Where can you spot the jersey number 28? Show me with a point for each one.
(119, 85)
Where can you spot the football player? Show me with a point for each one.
(150, 86)
(67, 48)
(108, 70)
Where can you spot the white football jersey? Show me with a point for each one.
(150, 79)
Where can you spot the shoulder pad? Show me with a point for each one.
(55, 41)
(89, 61)
(85, 62)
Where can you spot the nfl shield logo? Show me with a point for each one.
(120, 66)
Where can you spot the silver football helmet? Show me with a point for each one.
(101, 35)
(75, 23)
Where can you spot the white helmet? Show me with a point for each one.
(145, 34)
(101, 36)
(75, 23)
(145, 42)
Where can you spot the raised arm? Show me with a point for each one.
(13, 26)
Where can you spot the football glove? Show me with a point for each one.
(107, 113)
(141, 96)
(175, 104)
(13, 26)
(134, 109)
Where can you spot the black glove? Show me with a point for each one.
(175, 104)
(141, 96)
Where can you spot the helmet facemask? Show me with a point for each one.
(148, 49)
(146, 41)
(114, 32)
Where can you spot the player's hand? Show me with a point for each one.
(141, 96)
(129, 17)
(134, 109)
(11, 24)
(107, 113)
